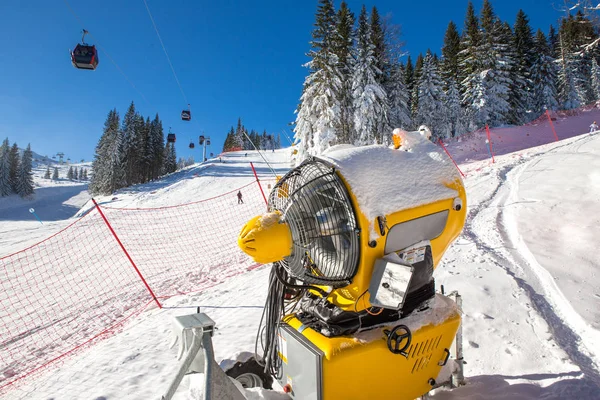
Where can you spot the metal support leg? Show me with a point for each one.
(199, 338)
(198, 329)
(459, 376)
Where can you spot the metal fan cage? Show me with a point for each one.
(316, 206)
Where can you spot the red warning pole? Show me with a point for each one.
(259, 186)
(446, 150)
(487, 129)
(126, 253)
(551, 125)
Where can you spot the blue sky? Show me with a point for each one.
(233, 58)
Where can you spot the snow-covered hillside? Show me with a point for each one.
(54, 202)
(525, 265)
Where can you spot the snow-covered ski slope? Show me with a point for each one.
(526, 265)
(55, 202)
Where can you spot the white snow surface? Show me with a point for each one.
(418, 176)
(526, 266)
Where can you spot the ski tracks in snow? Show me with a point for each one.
(508, 251)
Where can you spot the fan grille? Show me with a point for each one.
(316, 206)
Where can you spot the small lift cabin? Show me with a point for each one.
(84, 56)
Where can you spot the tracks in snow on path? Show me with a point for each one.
(509, 252)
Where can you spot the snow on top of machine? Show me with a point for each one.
(385, 180)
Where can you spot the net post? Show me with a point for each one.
(446, 150)
(551, 125)
(259, 186)
(126, 253)
(489, 136)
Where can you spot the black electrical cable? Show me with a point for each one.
(267, 334)
(290, 285)
(276, 305)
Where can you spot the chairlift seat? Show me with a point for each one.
(171, 138)
(186, 115)
(84, 57)
(192, 145)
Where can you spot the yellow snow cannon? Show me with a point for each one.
(354, 236)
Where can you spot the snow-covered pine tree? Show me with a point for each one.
(228, 144)
(449, 68)
(85, 174)
(47, 174)
(409, 72)
(399, 100)
(432, 105)
(239, 138)
(414, 94)
(467, 57)
(108, 168)
(454, 109)
(568, 71)
(13, 159)
(264, 140)
(371, 119)
(379, 51)
(5, 188)
(595, 79)
(571, 92)
(342, 47)
(553, 43)
(173, 158)
(318, 116)
(130, 147)
(505, 66)
(521, 99)
(471, 82)
(80, 177)
(157, 139)
(145, 161)
(75, 174)
(70, 174)
(25, 176)
(55, 174)
(494, 53)
(140, 140)
(170, 159)
(543, 77)
(584, 66)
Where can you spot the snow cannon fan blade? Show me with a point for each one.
(314, 205)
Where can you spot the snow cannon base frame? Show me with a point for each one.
(315, 367)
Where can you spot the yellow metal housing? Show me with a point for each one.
(265, 238)
(353, 369)
(348, 296)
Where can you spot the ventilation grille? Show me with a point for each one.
(421, 352)
(316, 206)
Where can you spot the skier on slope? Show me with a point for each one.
(239, 196)
(593, 127)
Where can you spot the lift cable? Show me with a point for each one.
(166, 54)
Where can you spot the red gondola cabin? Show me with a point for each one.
(84, 57)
